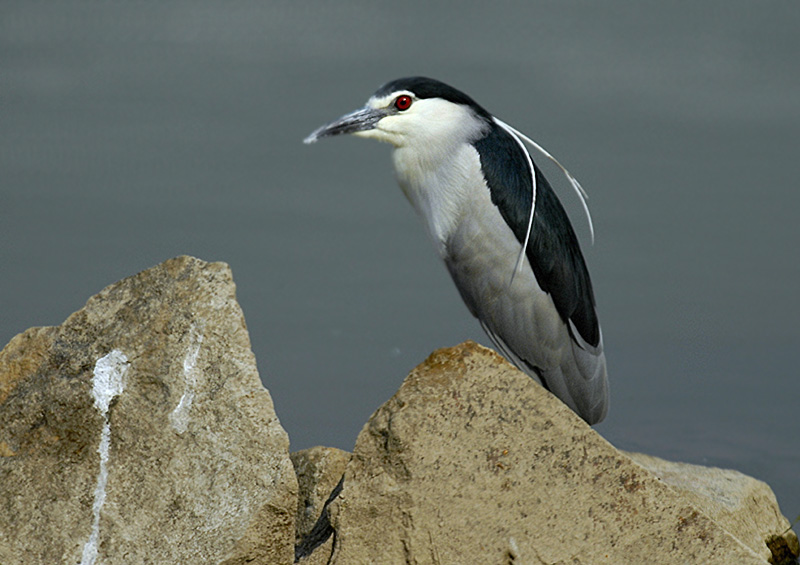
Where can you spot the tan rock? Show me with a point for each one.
(139, 432)
(472, 462)
(318, 470)
(319, 474)
(744, 506)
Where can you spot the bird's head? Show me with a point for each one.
(414, 111)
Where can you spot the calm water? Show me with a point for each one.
(137, 132)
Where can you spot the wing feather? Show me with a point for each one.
(553, 250)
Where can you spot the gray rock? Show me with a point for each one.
(472, 462)
(139, 432)
(744, 506)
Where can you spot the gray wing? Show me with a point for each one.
(546, 324)
(553, 250)
(581, 384)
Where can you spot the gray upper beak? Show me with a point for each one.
(360, 120)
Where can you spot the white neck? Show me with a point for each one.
(439, 181)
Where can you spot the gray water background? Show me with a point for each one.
(134, 132)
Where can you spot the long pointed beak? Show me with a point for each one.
(361, 120)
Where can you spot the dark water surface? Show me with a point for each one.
(138, 131)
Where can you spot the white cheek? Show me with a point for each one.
(387, 130)
(375, 134)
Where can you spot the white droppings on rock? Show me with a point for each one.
(107, 383)
(179, 418)
(108, 379)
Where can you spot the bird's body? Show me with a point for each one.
(471, 179)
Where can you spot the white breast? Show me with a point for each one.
(442, 184)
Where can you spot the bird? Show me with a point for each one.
(500, 229)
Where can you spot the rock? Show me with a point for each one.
(318, 470)
(472, 462)
(744, 506)
(316, 546)
(139, 431)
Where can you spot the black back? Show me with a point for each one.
(553, 249)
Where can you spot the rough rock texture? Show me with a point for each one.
(744, 506)
(318, 472)
(472, 462)
(139, 432)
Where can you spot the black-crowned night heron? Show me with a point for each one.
(499, 228)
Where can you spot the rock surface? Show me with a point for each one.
(139, 432)
(318, 470)
(472, 462)
(744, 506)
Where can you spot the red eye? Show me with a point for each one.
(403, 102)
